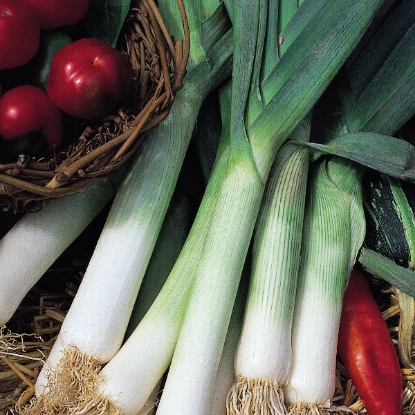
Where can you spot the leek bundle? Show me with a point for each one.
(177, 322)
(95, 325)
(188, 321)
(333, 231)
(257, 131)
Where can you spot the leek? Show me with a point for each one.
(334, 230)
(263, 358)
(95, 325)
(203, 333)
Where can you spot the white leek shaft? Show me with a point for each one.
(36, 241)
(101, 309)
(265, 347)
(263, 357)
(97, 320)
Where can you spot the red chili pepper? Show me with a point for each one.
(367, 352)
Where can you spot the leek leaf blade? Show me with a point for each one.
(384, 153)
(378, 265)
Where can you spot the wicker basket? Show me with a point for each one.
(158, 65)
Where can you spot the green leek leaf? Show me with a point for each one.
(387, 38)
(384, 153)
(382, 267)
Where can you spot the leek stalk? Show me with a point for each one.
(263, 358)
(134, 221)
(334, 230)
(323, 272)
(205, 323)
(377, 98)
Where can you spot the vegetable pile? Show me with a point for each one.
(256, 254)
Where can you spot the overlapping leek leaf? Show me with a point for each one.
(380, 152)
(370, 100)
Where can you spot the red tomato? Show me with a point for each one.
(19, 34)
(367, 352)
(88, 79)
(57, 13)
(26, 110)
